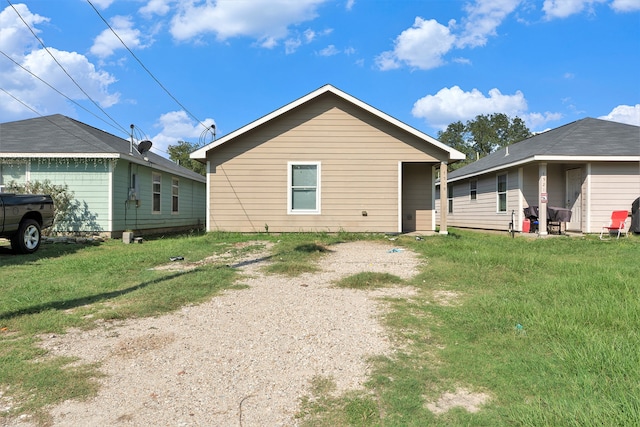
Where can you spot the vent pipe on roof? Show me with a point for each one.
(506, 151)
(131, 142)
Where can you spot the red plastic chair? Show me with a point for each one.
(617, 224)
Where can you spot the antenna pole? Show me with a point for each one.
(131, 143)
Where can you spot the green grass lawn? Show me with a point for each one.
(549, 329)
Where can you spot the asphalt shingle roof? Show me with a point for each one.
(587, 137)
(58, 135)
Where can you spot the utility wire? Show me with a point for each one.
(60, 93)
(145, 68)
(20, 101)
(62, 68)
(47, 118)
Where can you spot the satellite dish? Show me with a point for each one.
(144, 146)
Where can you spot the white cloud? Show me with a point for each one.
(350, 4)
(625, 5)
(483, 17)
(103, 4)
(91, 80)
(330, 50)
(156, 7)
(106, 43)
(453, 104)
(177, 126)
(266, 20)
(629, 114)
(15, 37)
(421, 46)
(538, 121)
(425, 44)
(31, 91)
(563, 8)
(293, 43)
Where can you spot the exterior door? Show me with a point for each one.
(574, 198)
(416, 197)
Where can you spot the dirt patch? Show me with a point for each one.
(130, 348)
(461, 398)
(446, 298)
(239, 255)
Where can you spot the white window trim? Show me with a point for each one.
(173, 179)
(153, 192)
(290, 209)
(506, 193)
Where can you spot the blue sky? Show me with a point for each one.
(425, 62)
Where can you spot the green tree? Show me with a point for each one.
(179, 153)
(483, 135)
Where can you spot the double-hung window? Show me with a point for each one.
(501, 187)
(473, 189)
(303, 188)
(157, 190)
(175, 187)
(450, 198)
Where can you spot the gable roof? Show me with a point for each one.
(59, 136)
(583, 140)
(201, 154)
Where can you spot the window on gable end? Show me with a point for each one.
(304, 188)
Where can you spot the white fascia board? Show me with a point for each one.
(201, 154)
(587, 158)
(494, 169)
(60, 155)
(549, 158)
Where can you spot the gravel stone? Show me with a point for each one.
(245, 357)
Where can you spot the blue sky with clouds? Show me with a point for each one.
(190, 63)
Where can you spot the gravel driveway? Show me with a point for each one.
(243, 358)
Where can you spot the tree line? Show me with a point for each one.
(483, 135)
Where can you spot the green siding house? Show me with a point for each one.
(115, 187)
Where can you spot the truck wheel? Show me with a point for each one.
(27, 239)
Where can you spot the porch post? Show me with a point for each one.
(542, 198)
(444, 203)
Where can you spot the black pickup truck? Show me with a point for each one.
(22, 217)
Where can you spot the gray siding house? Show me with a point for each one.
(115, 187)
(589, 166)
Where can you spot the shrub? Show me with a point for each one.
(62, 197)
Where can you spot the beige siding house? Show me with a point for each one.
(325, 162)
(591, 167)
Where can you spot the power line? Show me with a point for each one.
(46, 118)
(60, 93)
(63, 69)
(20, 101)
(145, 68)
